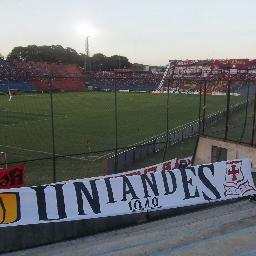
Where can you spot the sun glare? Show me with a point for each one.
(86, 29)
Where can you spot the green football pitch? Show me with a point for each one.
(85, 122)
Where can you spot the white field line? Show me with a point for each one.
(43, 152)
(40, 117)
(104, 156)
(24, 112)
(30, 122)
(31, 113)
(25, 122)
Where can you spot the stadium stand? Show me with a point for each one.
(7, 72)
(24, 76)
(149, 81)
(8, 79)
(21, 75)
(132, 81)
(66, 77)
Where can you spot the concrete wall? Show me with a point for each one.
(21, 237)
(234, 151)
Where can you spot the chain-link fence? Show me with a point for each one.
(68, 135)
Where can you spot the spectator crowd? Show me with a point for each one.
(186, 78)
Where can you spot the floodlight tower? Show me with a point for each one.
(87, 55)
(86, 30)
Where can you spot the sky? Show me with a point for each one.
(145, 31)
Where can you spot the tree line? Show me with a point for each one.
(59, 54)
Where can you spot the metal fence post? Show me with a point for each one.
(167, 112)
(116, 135)
(227, 109)
(52, 131)
(254, 117)
(204, 106)
(246, 111)
(167, 122)
(199, 123)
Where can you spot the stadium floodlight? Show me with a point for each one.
(86, 30)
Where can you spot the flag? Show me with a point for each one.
(12, 177)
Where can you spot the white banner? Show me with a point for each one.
(161, 188)
(174, 163)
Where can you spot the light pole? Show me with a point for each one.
(86, 30)
(87, 55)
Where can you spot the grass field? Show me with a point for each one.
(240, 127)
(86, 122)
